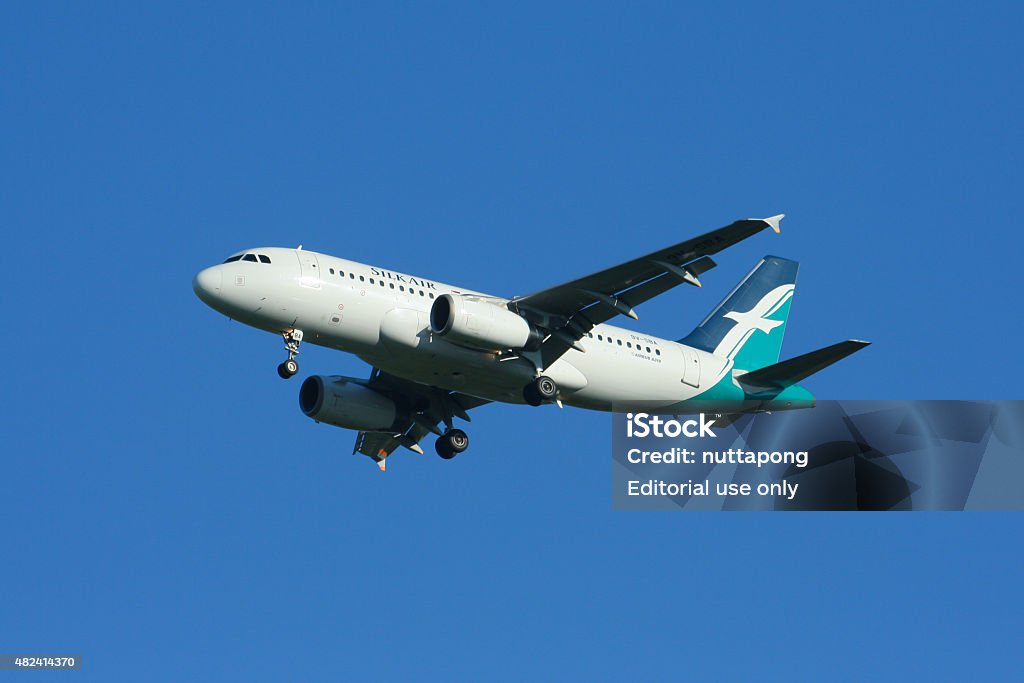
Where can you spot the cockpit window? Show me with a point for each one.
(249, 257)
(233, 258)
(264, 258)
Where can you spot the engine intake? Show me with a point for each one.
(482, 325)
(345, 402)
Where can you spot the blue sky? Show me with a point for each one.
(169, 512)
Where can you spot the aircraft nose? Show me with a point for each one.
(206, 284)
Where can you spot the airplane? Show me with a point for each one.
(438, 351)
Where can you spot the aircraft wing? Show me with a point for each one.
(426, 408)
(572, 309)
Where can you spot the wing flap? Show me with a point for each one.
(570, 310)
(577, 327)
(571, 296)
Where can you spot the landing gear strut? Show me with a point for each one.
(292, 339)
(541, 390)
(451, 443)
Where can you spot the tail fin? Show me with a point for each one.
(749, 324)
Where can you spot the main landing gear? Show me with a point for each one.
(451, 443)
(289, 368)
(541, 390)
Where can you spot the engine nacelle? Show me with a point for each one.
(344, 402)
(482, 325)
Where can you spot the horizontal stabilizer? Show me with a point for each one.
(788, 372)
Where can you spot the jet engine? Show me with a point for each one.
(345, 402)
(470, 322)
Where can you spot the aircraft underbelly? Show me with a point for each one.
(409, 350)
(597, 379)
(469, 374)
(616, 377)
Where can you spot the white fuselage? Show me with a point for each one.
(383, 317)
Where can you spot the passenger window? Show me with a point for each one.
(341, 273)
(401, 288)
(332, 271)
(233, 258)
(648, 349)
(657, 352)
(421, 292)
(362, 279)
(392, 285)
(249, 257)
(619, 341)
(600, 338)
(264, 258)
(431, 295)
(352, 276)
(371, 280)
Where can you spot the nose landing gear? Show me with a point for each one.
(541, 390)
(289, 368)
(451, 443)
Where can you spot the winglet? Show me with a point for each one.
(774, 222)
(383, 465)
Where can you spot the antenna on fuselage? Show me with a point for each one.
(298, 248)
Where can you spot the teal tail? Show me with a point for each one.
(750, 323)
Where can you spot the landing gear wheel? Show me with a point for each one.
(451, 443)
(443, 450)
(288, 369)
(541, 390)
